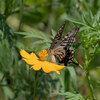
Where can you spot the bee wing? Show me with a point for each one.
(58, 36)
(59, 53)
(68, 39)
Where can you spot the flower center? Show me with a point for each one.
(43, 54)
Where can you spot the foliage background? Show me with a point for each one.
(31, 25)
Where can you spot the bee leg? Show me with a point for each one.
(65, 64)
(53, 59)
(74, 63)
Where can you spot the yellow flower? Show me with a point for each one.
(38, 63)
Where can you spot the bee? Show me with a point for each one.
(60, 46)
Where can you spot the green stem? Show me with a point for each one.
(4, 85)
(35, 85)
(2, 78)
(85, 68)
(90, 85)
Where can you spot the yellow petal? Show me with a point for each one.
(47, 67)
(32, 59)
(24, 54)
(36, 67)
(29, 58)
(29, 61)
(27, 55)
(57, 72)
(59, 67)
(33, 56)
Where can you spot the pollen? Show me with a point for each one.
(43, 54)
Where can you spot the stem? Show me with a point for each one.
(4, 85)
(89, 78)
(2, 78)
(35, 85)
(90, 85)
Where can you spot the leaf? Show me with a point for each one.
(83, 22)
(98, 82)
(98, 67)
(66, 80)
(21, 12)
(38, 42)
(5, 30)
(30, 35)
(75, 46)
(71, 96)
(39, 35)
(8, 92)
(53, 33)
(86, 21)
(6, 58)
(73, 77)
(73, 20)
(34, 2)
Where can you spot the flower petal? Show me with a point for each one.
(24, 54)
(33, 56)
(29, 61)
(32, 59)
(29, 58)
(36, 67)
(59, 67)
(47, 67)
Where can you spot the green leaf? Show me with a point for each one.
(30, 35)
(8, 92)
(5, 30)
(38, 35)
(66, 80)
(73, 77)
(34, 2)
(53, 33)
(6, 58)
(98, 82)
(71, 96)
(73, 20)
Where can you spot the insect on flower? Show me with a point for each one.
(60, 46)
(40, 63)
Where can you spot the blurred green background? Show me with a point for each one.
(31, 25)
